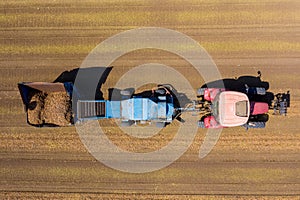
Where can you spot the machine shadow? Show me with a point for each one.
(114, 94)
(87, 74)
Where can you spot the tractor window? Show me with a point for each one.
(215, 108)
(241, 109)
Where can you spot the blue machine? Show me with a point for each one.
(137, 109)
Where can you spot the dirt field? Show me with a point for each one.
(40, 39)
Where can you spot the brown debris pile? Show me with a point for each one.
(50, 108)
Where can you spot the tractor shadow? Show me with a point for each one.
(239, 84)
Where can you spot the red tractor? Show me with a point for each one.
(232, 108)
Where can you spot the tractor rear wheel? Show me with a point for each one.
(262, 118)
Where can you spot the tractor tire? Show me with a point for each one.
(262, 118)
(259, 118)
(267, 98)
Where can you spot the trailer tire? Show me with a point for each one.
(160, 124)
(160, 91)
(126, 123)
(125, 93)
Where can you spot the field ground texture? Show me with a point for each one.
(40, 39)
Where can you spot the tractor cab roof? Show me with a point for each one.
(232, 108)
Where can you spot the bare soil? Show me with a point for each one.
(40, 40)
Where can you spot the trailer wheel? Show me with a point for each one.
(265, 85)
(160, 91)
(160, 124)
(125, 92)
(126, 123)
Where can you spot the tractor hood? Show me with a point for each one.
(233, 108)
